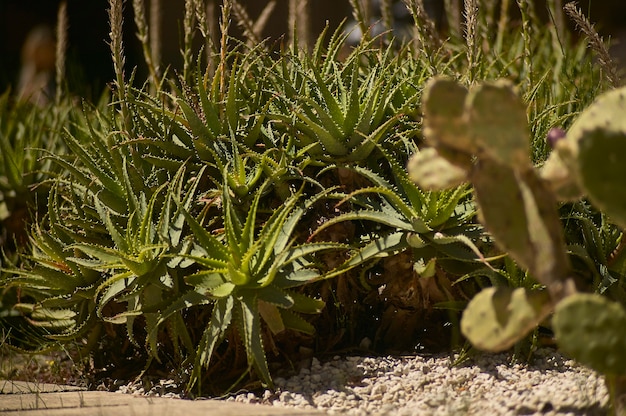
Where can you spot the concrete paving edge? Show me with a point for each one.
(40, 399)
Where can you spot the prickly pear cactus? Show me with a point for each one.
(483, 135)
(496, 118)
(495, 318)
(520, 212)
(443, 105)
(434, 172)
(590, 328)
(488, 126)
(592, 156)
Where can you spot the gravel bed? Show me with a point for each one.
(430, 385)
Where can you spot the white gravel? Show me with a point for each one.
(431, 385)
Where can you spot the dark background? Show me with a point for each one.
(88, 56)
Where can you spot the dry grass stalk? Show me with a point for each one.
(224, 25)
(453, 16)
(595, 42)
(139, 9)
(299, 23)
(360, 13)
(252, 30)
(555, 8)
(387, 16)
(264, 17)
(245, 23)
(189, 31)
(527, 13)
(116, 22)
(425, 28)
(61, 48)
(473, 48)
(155, 35)
(205, 16)
(503, 24)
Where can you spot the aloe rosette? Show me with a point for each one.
(248, 275)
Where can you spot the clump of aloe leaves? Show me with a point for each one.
(254, 208)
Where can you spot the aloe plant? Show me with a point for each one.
(25, 132)
(435, 225)
(179, 225)
(249, 273)
(340, 111)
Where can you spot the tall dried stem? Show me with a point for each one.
(360, 13)
(387, 15)
(245, 23)
(116, 21)
(155, 35)
(555, 8)
(425, 30)
(224, 25)
(189, 31)
(299, 23)
(472, 45)
(527, 13)
(61, 47)
(595, 41)
(252, 30)
(503, 25)
(139, 9)
(205, 16)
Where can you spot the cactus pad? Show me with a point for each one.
(433, 172)
(560, 179)
(590, 328)
(520, 212)
(443, 103)
(602, 170)
(595, 149)
(497, 318)
(497, 120)
(501, 203)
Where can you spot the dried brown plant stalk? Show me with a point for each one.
(224, 25)
(503, 24)
(61, 48)
(473, 48)
(245, 23)
(387, 16)
(155, 35)
(116, 22)
(205, 16)
(360, 13)
(252, 30)
(425, 27)
(299, 22)
(527, 22)
(555, 7)
(595, 42)
(189, 30)
(139, 9)
(264, 17)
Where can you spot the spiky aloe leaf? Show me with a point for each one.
(221, 318)
(248, 323)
